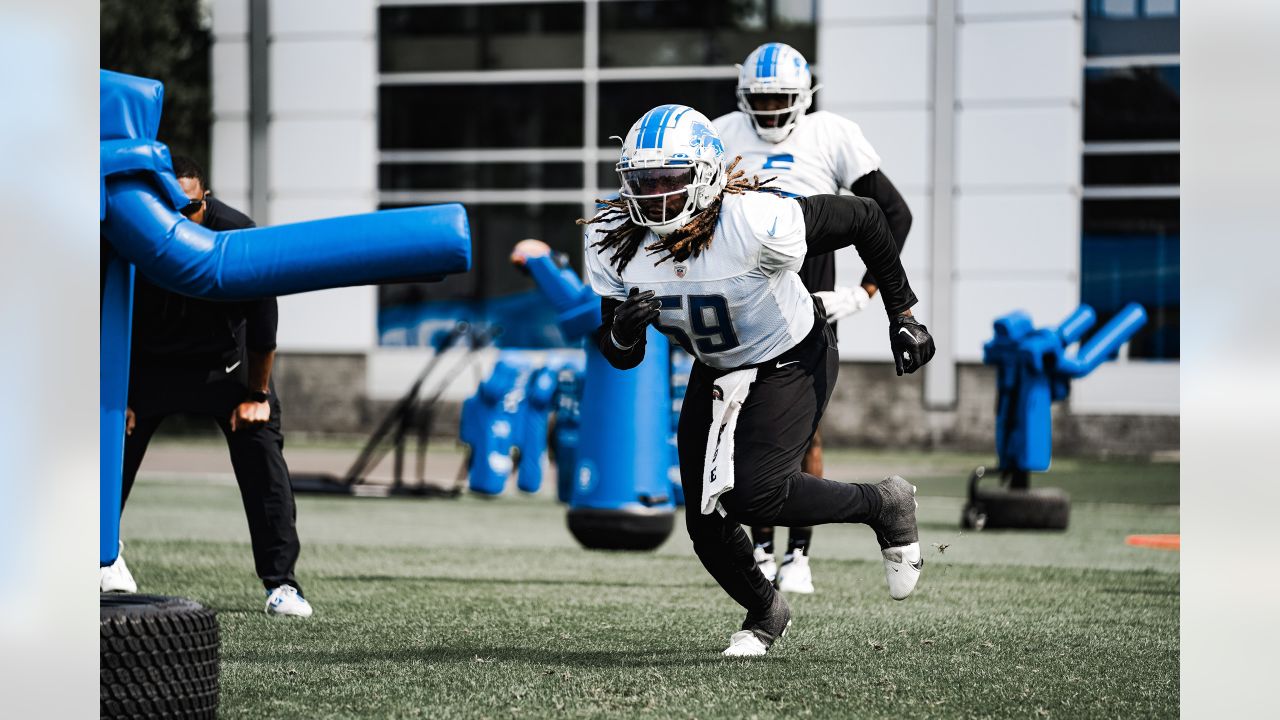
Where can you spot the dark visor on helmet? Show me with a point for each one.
(656, 181)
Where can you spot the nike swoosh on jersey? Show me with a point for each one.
(773, 229)
(233, 366)
(784, 364)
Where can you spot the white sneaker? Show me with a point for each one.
(902, 566)
(116, 576)
(285, 600)
(794, 575)
(898, 536)
(765, 562)
(744, 643)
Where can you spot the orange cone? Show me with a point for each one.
(1159, 542)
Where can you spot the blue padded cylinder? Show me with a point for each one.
(488, 425)
(621, 495)
(535, 410)
(568, 424)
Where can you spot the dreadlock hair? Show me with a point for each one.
(689, 241)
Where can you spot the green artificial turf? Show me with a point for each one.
(488, 608)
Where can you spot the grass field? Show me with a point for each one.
(488, 608)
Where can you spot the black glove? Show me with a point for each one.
(633, 316)
(912, 345)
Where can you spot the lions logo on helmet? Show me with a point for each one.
(774, 89)
(672, 166)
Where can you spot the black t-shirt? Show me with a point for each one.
(173, 329)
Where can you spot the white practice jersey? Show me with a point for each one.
(741, 301)
(823, 153)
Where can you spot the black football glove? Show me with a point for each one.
(912, 345)
(633, 316)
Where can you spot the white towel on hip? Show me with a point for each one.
(727, 396)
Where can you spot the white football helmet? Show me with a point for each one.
(672, 166)
(777, 70)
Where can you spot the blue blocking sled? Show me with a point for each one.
(140, 222)
(1033, 371)
(620, 489)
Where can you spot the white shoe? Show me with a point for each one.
(116, 576)
(898, 536)
(765, 562)
(794, 575)
(744, 643)
(285, 600)
(902, 567)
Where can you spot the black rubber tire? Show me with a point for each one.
(599, 529)
(1035, 509)
(159, 657)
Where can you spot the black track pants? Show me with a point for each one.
(257, 456)
(774, 427)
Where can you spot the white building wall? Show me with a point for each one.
(1019, 69)
(874, 62)
(322, 141)
(1016, 234)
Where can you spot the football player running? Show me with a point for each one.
(805, 154)
(691, 247)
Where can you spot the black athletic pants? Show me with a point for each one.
(774, 427)
(257, 456)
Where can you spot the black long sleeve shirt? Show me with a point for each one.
(173, 329)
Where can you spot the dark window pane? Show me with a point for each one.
(470, 37)
(622, 103)
(1131, 27)
(1133, 103)
(710, 32)
(608, 176)
(468, 176)
(479, 116)
(1130, 254)
(1137, 169)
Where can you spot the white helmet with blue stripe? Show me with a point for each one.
(775, 87)
(672, 166)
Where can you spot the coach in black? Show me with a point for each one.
(202, 357)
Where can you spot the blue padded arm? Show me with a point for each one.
(182, 256)
(121, 156)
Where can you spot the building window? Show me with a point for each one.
(1129, 253)
(665, 32)
(516, 36)
(1131, 27)
(1129, 216)
(480, 116)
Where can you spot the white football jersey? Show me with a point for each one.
(740, 302)
(825, 152)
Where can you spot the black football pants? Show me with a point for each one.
(257, 456)
(775, 424)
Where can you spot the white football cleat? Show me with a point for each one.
(902, 567)
(794, 575)
(744, 643)
(758, 633)
(285, 600)
(765, 562)
(898, 535)
(116, 576)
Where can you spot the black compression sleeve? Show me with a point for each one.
(617, 357)
(832, 222)
(876, 185)
(262, 317)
